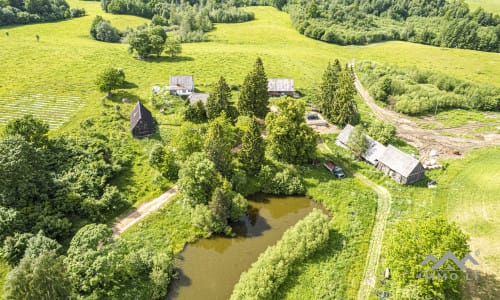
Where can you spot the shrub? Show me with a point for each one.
(284, 182)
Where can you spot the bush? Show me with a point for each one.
(271, 269)
(284, 182)
(102, 30)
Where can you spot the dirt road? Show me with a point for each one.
(142, 211)
(445, 141)
(374, 249)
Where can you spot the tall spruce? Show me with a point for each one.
(220, 100)
(345, 110)
(254, 97)
(328, 88)
(253, 149)
(219, 143)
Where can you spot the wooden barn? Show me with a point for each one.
(141, 121)
(401, 166)
(277, 87)
(181, 85)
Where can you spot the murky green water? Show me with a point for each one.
(211, 267)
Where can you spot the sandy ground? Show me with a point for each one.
(142, 211)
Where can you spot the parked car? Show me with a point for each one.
(312, 117)
(334, 169)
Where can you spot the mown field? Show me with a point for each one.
(489, 5)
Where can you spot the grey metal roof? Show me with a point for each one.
(183, 82)
(280, 85)
(399, 161)
(195, 97)
(343, 136)
(374, 150)
(140, 113)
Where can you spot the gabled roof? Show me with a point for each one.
(374, 150)
(399, 161)
(195, 97)
(140, 113)
(184, 82)
(280, 85)
(343, 136)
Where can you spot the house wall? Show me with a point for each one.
(142, 129)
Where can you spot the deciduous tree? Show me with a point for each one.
(31, 129)
(110, 79)
(290, 139)
(42, 277)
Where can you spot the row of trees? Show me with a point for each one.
(271, 269)
(440, 23)
(36, 11)
(415, 91)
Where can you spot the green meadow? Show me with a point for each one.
(488, 5)
(64, 63)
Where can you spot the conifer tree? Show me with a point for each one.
(252, 150)
(328, 88)
(254, 97)
(220, 100)
(345, 110)
(219, 142)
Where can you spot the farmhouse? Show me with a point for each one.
(277, 87)
(181, 85)
(141, 121)
(195, 97)
(401, 166)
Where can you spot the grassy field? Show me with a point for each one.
(467, 193)
(64, 63)
(489, 5)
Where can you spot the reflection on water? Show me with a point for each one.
(211, 267)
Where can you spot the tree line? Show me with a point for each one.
(36, 11)
(271, 269)
(437, 22)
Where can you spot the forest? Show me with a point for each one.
(438, 22)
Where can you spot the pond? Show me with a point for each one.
(209, 268)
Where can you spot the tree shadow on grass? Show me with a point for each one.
(121, 96)
(486, 287)
(129, 85)
(168, 59)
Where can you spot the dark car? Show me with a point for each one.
(312, 117)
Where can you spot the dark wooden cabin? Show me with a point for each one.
(141, 121)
